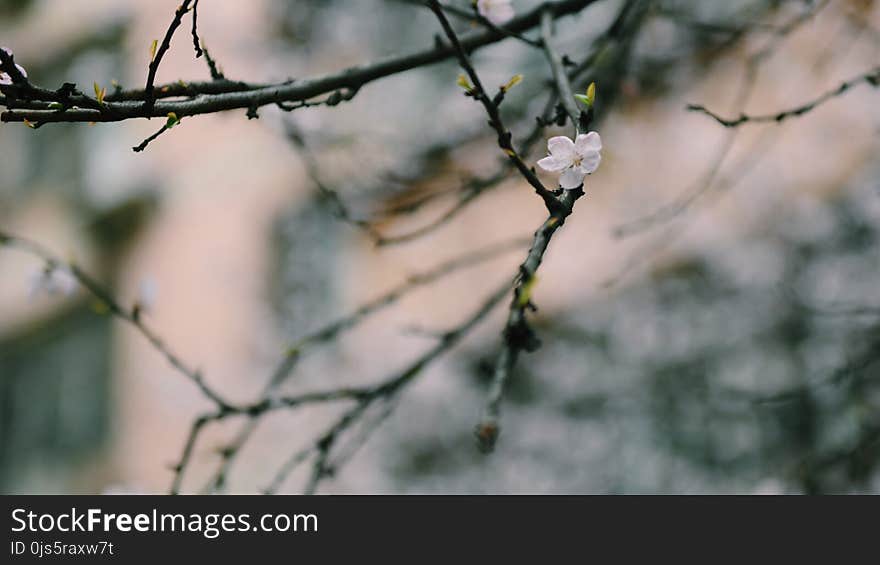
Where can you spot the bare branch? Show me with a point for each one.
(563, 87)
(129, 315)
(475, 187)
(333, 330)
(149, 99)
(219, 97)
(340, 209)
(197, 43)
(871, 78)
(385, 390)
(707, 182)
(213, 68)
(171, 122)
(475, 17)
(491, 106)
(518, 335)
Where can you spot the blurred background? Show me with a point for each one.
(710, 314)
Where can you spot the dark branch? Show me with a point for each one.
(197, 43)
(474, 16)
(385, 390)
(333, 330)
(165, 127)
(149, 99)
(213, 68)
(491, 105)
(871, 78)
(211, 101)
(518, 335)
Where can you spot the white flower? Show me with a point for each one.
(53, 280)
(574, 159)
(148, 294)
(5, 79)
(496, 11)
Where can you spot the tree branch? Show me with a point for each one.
(149, 99)
(518, 335)
(217, 97)
(129, 315)
(871, 78)
(563, 86)
(491, 106)
(326, 334)
(385, 390)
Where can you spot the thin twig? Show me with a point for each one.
(475, 17)
(385, 390)
(871, 78)
(188, 450)
(707, 182)
(560, 78)
(739, 170)
(197, 43)
(129, 315)
(337, 327)
(143, 145)
(476, 187)
(149, 99)
(213, 68)
(313, 170)
(491, 105)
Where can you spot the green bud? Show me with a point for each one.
(589, 98)
(512, 82)
(100, 93)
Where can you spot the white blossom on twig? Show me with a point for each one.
(573, 159)
(53, 280)
(148, 294)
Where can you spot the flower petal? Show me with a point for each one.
(502, 13)
(590, 162)
(588, 142)
(571, 178)
(66, 282)
(561, 147)
(554, 164)
(496, 11)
